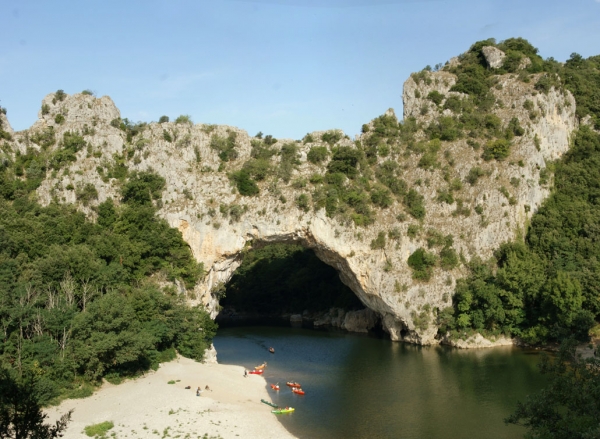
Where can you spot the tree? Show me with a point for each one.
(569, 407)
(21, 416)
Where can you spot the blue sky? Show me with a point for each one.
(283, 67)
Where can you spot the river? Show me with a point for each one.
(367, 387)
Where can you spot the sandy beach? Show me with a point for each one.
(149, 407)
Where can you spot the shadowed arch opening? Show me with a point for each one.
(276, 280)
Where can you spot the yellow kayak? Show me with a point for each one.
(279, 411)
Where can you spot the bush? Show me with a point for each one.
(302, 202)
(331, 137)
(59, 96)
(98, 430)
(163, 119)
(225, 146)
(497, 149)
(448, 258)
(184, 118)
(87, 92)
(87, 193)
(422, 263)
(454, 104)
(344, 160)
(167, 136)
(379, 242)
(436, 97)
(381, 197)
(414, 204)
(317, 154)
(59, 118)
(244, 183)
(474, 175)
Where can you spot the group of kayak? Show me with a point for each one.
(296, 388)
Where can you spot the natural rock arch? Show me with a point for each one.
(200, 196)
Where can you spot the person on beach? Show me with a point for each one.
(207, 388)
(245, 373)
(198, 391)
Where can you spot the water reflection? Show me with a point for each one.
(362, 387)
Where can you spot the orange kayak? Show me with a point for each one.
(256, 372)
(275, 386)
(289, 383)
(298, 390)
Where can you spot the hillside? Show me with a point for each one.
(402, 212)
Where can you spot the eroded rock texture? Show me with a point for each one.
(199, 194)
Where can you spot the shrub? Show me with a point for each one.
(163, 119)
(270, 140)
(45, 109)
(344, 160)
(497, 149)
(258, 169)
(514, 128)
(316, 179)
(421, 262)
(59, 118)
(414, 204)
(474, 175)
(184, 118)
(445, 128)
(436, 97)
(317, 154)
(225, 146)
(413, 231)
(87, 92)
(244, 183)
(87, 193)
(379, 242)
(99, 430)
(59, 96)
(308, 139)
(302, 202)
(445, 196)
(448, 258)
(381, 197)
(331, 137)
(453, 103)
(167, 136)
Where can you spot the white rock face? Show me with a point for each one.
(197, 192)
(478, 341)
(493, 56)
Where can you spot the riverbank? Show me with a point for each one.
(149, 405)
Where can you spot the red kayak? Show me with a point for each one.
(256, 372)
(275, 386)
(289, 383)
(298, 390)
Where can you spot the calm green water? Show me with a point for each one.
(364, 387)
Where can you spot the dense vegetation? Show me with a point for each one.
(81, 301)
(569, 407)
(545, 287)
(281, 278)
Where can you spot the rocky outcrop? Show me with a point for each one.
(199, 196)
(478, 341)
(493, 56)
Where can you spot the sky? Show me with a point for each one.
(283, 67)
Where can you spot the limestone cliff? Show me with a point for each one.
(200, 195)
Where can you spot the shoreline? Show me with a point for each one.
(148, 406)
